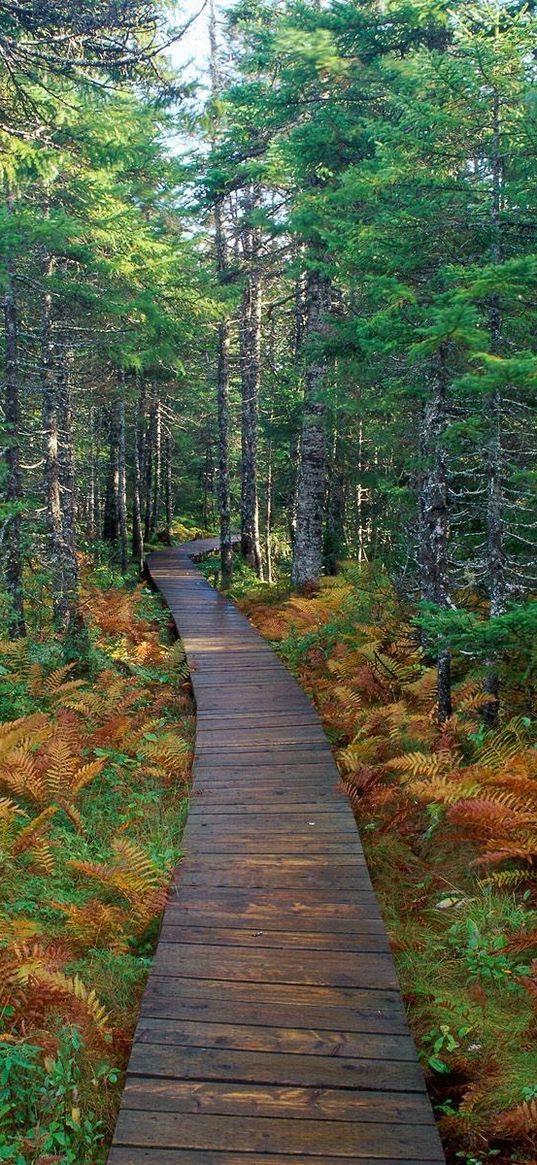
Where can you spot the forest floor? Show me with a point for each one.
(448, 818)
(94, 775)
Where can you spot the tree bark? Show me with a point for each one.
(434, 518)
(222, 371)
(168, 483)
(334, 544)
(149, 446)
(111, 502)
(137, 528)
(13, 490)
(250, 359)
(308, 542)
(67, 471)
(157, 470)
(495, 514)
(59, 477)
(222, 404)
(224, 495)
(123, 546)
(91, 513)
(299, 324)
(269, 504)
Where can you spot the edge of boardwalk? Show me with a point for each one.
(272, 1030)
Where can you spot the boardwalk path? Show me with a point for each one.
(272, 1029)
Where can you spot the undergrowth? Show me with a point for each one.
(94, 771)
(448, 816)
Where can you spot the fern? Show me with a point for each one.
(519, 1121)
(130, 874)
(417, 764)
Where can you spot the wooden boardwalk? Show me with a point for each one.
(272, 1029)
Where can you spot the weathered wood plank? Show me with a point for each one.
(276, 1135)
(244, 965)
(122, 1155)
(274, 1006)
(272, 1068)
(370, 937)
(275, 1100)
(257, 909)
(251, 871)
(355, 1046)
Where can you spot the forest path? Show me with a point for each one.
(272, 1029)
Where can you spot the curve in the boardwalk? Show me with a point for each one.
(272, 1030)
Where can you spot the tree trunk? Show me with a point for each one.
(224, 497)
(111, 502)
(137, 529)
(334, 541)
(495, 516)
(168, 483)
(122, 483)
(208, 484)
(97, 442)
(59, 478)
(91, 515)
(292, 502)
(250, 359)
(222, 398)
(157, 470)
(434, 518)
(222, 373)
(13, 489)
(67, 474)
(149, 446)
(299, 322)
(308, 542)
(269, 487)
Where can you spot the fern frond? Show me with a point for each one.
(518, 1121)
(9, 810)
(74, 987)
(85, 775)
(482, 818)
(504, 879)
(417, 764)
(358, 752)
(441, 789)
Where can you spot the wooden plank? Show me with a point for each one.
(305, 1042)
(275, 1100)
(276, 1135)
(260, 798)
(264, 914)
(270, 843)
(303, 901)
(268, 717)
(284, 734)
(232, 876)
(318, 772)
(242, 964)
(266, 757)
(135, 1155)
(303, 997)
(296, 822)
(321, 871)
(371, 1011)
(370, 937)
(282, 1069)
